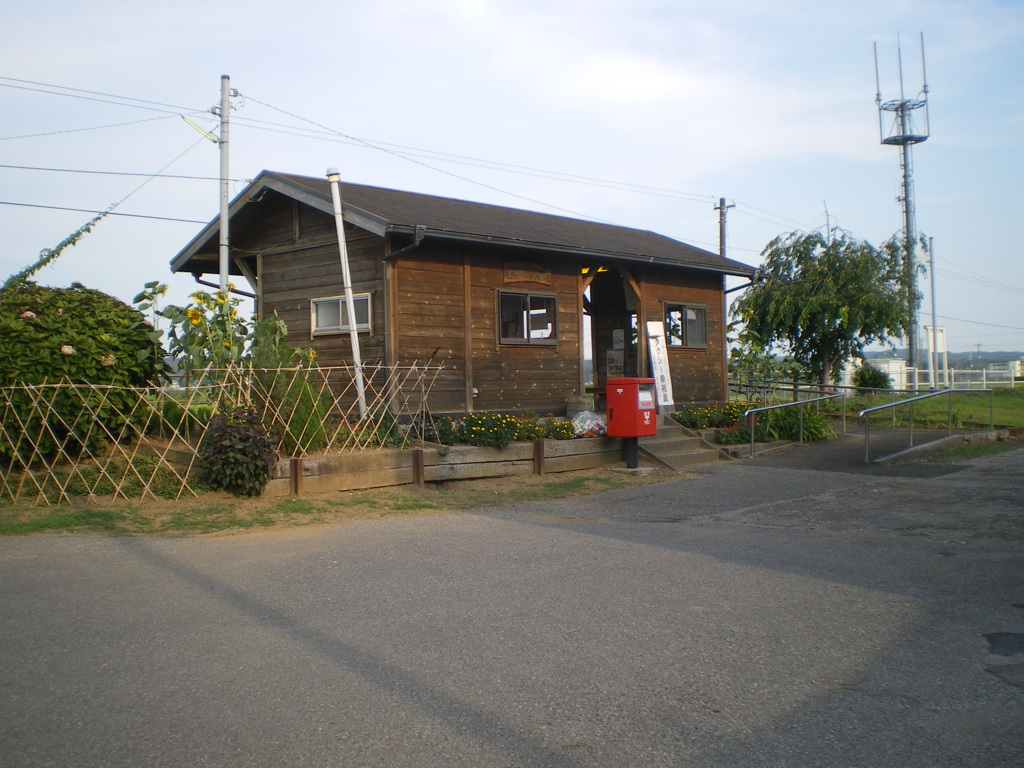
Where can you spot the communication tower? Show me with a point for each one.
(903, 123)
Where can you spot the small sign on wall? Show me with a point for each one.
(618, 339)
(659, 365)
(524, 272)
(615, 364)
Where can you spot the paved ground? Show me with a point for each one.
(746, 615)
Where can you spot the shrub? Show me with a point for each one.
(187, 421)
(238, 452)
(440, 430)
(304, 409)
(732, 435)
(559, 430)
(869, 376)
(84, 336)
(493, 430)
(784, 424)
(487, 430)
(712, 416)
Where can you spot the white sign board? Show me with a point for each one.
(659, 365)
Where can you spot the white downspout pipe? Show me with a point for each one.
(334, 177)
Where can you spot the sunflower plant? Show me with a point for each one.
(210, 333)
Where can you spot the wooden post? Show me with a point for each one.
(538, 457)
(418, 472)
(296, 477)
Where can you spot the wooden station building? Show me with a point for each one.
(503, 298)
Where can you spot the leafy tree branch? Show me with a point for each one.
(823, 297)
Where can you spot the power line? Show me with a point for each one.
(116, 173)
(79, 130)
(89, 94)
(401, 151)
(982, 283)
(425, 165)
(978, 322)
(109, 213)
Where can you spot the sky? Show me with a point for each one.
(642, 113)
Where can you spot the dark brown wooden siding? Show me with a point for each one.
(698, 375)
(438, 316)
(533, 376)
(429, 316)
(434, 320)
(311, 269)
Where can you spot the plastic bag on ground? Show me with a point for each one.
(589, 424)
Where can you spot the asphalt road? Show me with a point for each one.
(746, 615)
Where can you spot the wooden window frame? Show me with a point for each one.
(342, 327)
(682, 340)
(509, 341)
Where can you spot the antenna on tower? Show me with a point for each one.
(903, 123)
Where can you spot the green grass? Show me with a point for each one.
(83, 520)
(213, 512)
(969, 411)
(968, 452)
(466, 495)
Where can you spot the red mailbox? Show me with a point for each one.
(632, 409)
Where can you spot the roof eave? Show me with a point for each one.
(268, 180)
(725, 268)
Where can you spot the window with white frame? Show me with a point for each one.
(329, 314)
(686, 326)
(527, 318)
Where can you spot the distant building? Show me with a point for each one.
(1016, 367)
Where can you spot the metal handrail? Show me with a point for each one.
(800, 403)
(910, 401)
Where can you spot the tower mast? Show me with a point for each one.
(903, 131)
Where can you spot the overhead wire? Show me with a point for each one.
(407, 153)
(88, 128)
(108, 212)
(88, 95)
(426, 165)
(404, 152)
(117, 173)
(983, 283)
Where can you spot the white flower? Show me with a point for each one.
(67, 349)
(27, 315)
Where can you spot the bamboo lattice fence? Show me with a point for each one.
(67, 439)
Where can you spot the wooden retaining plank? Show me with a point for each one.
(583, 461)
(478, 470)
(391, 467)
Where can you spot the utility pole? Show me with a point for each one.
(224, 112)
(722, 208)
(934, 334)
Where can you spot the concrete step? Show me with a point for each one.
(677, 449)
(671, 442)
(680, 459)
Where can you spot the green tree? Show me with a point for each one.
(823, 298)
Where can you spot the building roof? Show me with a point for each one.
(388, 211)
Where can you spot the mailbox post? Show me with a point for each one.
(631, 413)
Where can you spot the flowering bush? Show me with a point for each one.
(713, 416)
(494, 430)
(79, 335)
